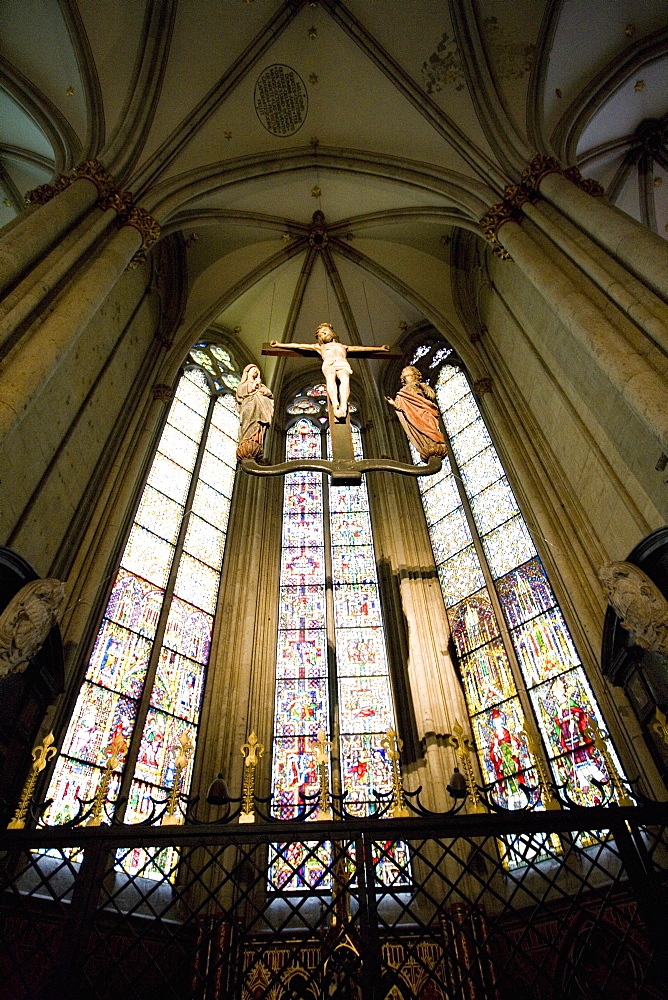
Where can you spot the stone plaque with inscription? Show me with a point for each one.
(281, 100)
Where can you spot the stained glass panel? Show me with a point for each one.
(473, 622)
(135, 603)
(223, 445)
(427, 482)
(318, 391)
(355, 563)
(461, 414)
(481, 471)
(211, 505)
(487, 676)
(178, 686)
(303, 490)
(544, 647)
(503, 748)
(450, 535)
(471, 441)
(217, 474)
(295, 774)
(169, 478)
(193, 390)
(303, 441)
(460, 576)
(148, 555)
(451, 385)
(303, 406)
(525, 592)
(226, 419)
(365, 704)
(119, 660)
(186, 420)
(299, 866)
(222, 356)
(302, 566)
(144, 802)
(441, 499)
(99, 715)
(508, 546)
(351, 528)
(348, 498)
(188, 631)
(204, 542)
(161, 515)
(197, 582)
(303, 607)
(301, 653)
(177, 446)
(493, 506)
(157, 750)
(73, 783)
(361, 652)
(302, 706)
(356, 604)
(302, 528)
(365, 768)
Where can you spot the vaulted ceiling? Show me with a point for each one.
(399, 122)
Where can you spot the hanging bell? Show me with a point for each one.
(218, 793)
(457, 786)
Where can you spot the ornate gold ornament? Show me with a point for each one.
(147, 227)
(45, 192)
(26, 622)
(322, 752)
(393, 746)
(586, 184)
(660, 726)
(638, 603)
(41, 754)
(464, 747)
(93, 171)
(184, 751)
(116, 749)
(252, 750)
(492, 221)
(539, 168)
(316, 191)
(162, 393)
(596, 736)
(546, 793)
(518, 195)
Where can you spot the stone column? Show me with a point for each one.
(641, 250)
(36, 358)
(56, 208)
(645, 391)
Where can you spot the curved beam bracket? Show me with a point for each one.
(341, 471)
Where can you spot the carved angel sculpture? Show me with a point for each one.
(26, 622)
(638, 603)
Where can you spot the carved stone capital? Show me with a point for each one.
(518, 195)
(92, 170)
(492, 221)
(119, 201)
(45, 192)
(588, 184)
(483, 385)
(539, 168)
(26, 622)
(638, 603)
(149, 230)
(163, 393)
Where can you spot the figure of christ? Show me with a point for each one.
(335, 366)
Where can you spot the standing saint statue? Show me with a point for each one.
(418, 414)
(256, 411)
(335, 366)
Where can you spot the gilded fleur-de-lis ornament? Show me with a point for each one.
(184, 751)
(393, 746)
(41, 755)
(115, 751)
(464, 747)
(252, 750)
(322, 752)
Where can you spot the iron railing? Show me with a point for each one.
(527, 904)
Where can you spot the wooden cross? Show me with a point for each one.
(341, 434)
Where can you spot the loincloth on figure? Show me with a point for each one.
(336, 366)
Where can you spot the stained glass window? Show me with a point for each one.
(509, 633)
(147, 669)
(350, 699)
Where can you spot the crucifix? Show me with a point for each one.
(343, 468)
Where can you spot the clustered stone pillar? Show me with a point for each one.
(637, 382)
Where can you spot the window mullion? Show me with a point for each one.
(332, 677)
(144, 704)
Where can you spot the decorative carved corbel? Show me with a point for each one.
(483, 385)
(26, 622)
(492, 221)
(539, 168)
(638, 603)
(93, 171)
(149, 230)
(163, 393)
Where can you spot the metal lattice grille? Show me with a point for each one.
(584, 922)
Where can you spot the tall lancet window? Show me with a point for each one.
(332, 672)
(147, 669)
(519, 666)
